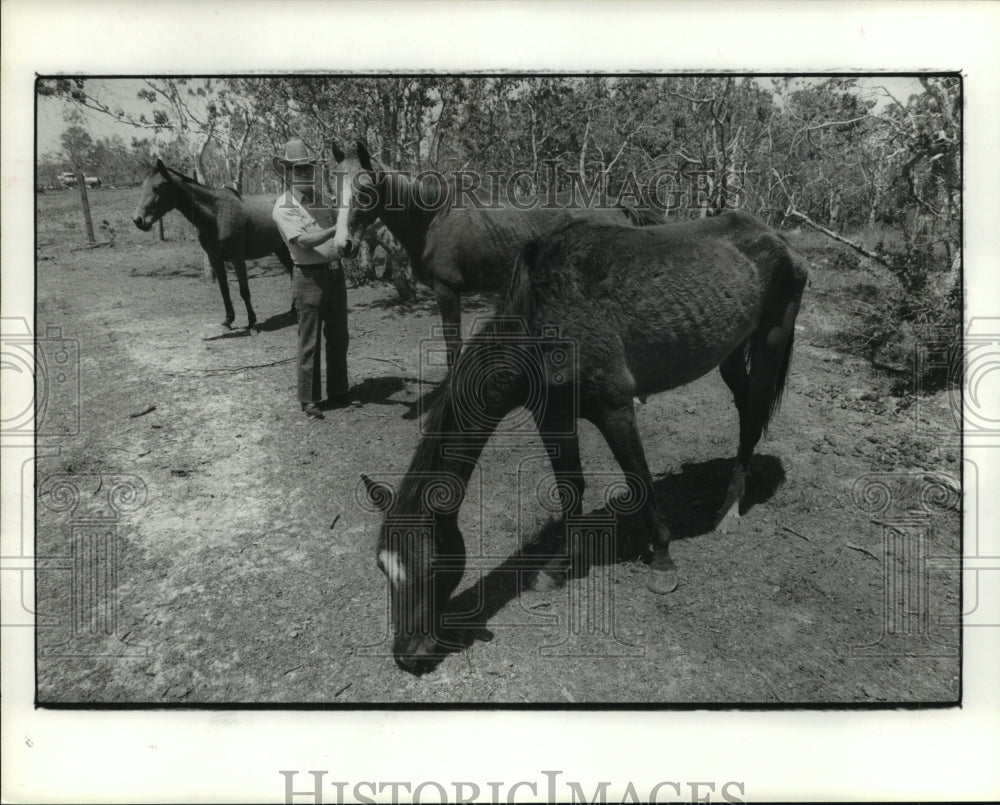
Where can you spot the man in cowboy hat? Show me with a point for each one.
(320, 288)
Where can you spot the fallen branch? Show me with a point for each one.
(862, 550)
(397, 364)
(93, 245)
(796, 533)
(840, 238)
(147, 410)
(222, 369)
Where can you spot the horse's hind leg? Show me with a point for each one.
(219, 269)
(450, 307)
(617, 425)
(557, 428)
(241, 278)
(756, 372)
(734, 371)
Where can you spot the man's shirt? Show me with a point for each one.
(294, 220)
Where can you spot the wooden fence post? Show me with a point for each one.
(85, 203)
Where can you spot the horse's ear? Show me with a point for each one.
(363, 156)
(338, 153)
(379, 495)
(162, 169)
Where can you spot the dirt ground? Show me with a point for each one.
(243, 570)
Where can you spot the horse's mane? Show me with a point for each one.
(184, 176)
(379, 167)
(192, 180)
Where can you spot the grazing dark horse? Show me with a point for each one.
(647, 310)
(453, 247)
(231, 228)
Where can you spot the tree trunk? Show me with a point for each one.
(238, 178)
(198, 157)
(85, 203)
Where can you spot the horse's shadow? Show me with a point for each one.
(689, 501)
(381, 390)
(422, 303)
(426, 400)
(279, 321)
(236, 332)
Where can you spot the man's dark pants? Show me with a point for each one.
(321, 301)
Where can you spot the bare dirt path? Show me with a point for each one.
(248, 575)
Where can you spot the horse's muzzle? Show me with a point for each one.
(141, 223)
(349, 249)
(416, 655)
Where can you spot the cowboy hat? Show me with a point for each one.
(296, 153)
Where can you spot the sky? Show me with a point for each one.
(121, 93)
(114, 92)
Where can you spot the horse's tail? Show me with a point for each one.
(781, 379)
(519, 301)
(796, 280)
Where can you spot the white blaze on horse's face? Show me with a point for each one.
(344, 196)
(392, 567)
(357, 207)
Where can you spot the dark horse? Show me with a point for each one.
(230, 228)
(646, 310)
(453, 247)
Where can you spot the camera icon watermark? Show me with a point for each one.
(969, 367)
(508, 354)
(976, 401)
(41, 381)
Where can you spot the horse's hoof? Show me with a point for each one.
(228, 324)
(662, 580)
(544, 581)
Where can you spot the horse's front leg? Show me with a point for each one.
(241, 278)
(219, 269)
(617, 425)
(450, 306)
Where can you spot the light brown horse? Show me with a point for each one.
(453, 247)
(231, 228)
(644, 311)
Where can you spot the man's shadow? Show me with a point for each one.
(689, 501)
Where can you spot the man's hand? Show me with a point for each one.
(314, 239)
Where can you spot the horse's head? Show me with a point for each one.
(421, 578)
(157, 199)
(359, 187)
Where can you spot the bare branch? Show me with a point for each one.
(840, 238)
